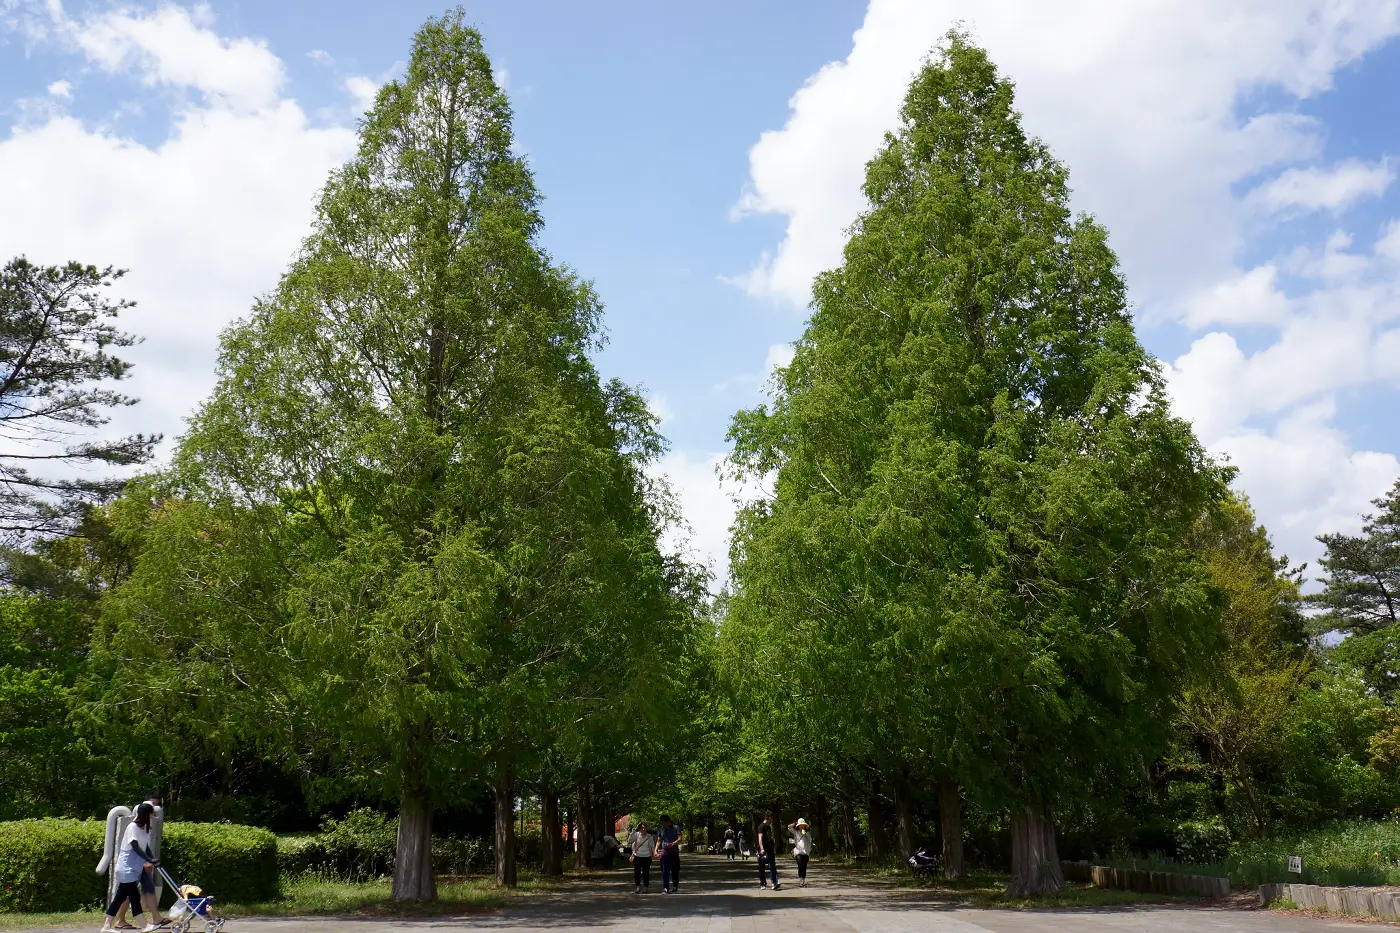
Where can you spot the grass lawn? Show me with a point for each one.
(309, 896)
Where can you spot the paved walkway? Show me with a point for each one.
(718, 896)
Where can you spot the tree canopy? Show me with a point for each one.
(976, 555)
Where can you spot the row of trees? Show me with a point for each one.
(407, 552)
(995, 572)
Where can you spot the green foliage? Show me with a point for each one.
(976, 559)
(56, 340)
(228, 861)
(359, 847)
(47, 865)
(1343, 853)
(1361, 591)
(411, 529)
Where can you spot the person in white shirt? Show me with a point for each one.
(801, 849)
(135, 870)
(643, 843)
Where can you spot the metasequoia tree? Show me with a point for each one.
(411, 524)
(982, 502)
(57, 334)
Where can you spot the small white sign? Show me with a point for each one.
(1295, 864)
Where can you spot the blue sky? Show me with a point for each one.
(1225, 144)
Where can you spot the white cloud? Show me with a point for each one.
(363, 90)
(206, 218)
(61, 89)
(1154, 107)
(708, 508)
(1324, 189)
(175, 47)
(1306, 477)
(1251, 297)
(1388, 245)
(321, 56)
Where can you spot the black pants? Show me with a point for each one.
(671, 870)
(801, 867)
(126, 891)
(769, 861)
(641, 871)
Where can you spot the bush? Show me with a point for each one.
(361, 847)
(231, 862)
(1347, 853)
(47, 865)
(358, 848)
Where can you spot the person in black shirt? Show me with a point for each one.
(767, 855)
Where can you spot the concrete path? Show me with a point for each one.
(718, 896)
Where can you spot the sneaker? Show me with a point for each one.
(149, 928)
(777, 887)
(639, 890)
(762, 886)
(108, 928)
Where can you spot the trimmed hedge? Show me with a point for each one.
(230, 862)
(47, 865)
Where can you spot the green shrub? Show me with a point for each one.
(231, 862)
(47, 865)
(1357, 852)
(358, 848)
(361, 847)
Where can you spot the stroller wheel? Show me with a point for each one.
(180, 925)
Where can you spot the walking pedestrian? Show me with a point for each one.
(135, 871)
(801, 849)
(731, 842)
(767, 855)
(643, 843)
(670, 843)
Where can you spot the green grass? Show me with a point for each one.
(309, 895)
(1347, 853)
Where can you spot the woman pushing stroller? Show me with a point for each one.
(135, 872)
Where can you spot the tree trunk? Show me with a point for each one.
(551, 844)
(850, 831)
(585, 828)
(710, 830)
(779, 830)
(823, 839)
(950, 823)
(505, 828)
(413, 854)
(1035, 860)
(904, 813)
(875, 809)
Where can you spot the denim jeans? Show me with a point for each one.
(768, 860)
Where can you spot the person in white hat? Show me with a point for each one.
(801, 849)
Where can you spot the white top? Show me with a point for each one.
(801, 842)
(129, 864)
(643, 844)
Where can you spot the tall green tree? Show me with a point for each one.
(57, 334)
(977, 548)
(411, 524)
(1237, 714)
(1361, 595)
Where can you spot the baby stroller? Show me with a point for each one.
(191, 905)
(922, 863)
